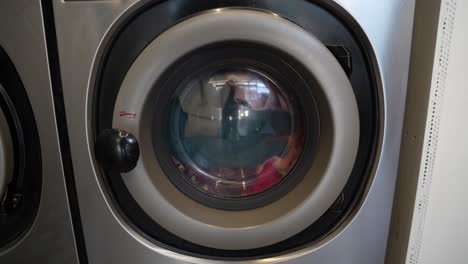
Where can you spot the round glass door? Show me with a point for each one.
(20, 156)
(234, 132)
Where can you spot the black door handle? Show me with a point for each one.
(117, 150)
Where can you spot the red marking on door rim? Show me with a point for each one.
(127, 114)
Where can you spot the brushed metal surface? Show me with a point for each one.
(82, 28)
(50, 239)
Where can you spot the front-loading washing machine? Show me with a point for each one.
(236, 130)
(35, 219)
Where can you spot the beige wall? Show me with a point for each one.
(419, 84)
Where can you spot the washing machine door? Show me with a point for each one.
(20, 157)
(6, 154)
(234, 129)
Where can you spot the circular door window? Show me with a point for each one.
(229, 132)
(234, 133)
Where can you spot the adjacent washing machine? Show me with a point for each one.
(213, 131)
(35, 220)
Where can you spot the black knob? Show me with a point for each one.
(117, 150)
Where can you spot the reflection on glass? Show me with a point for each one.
(237, 132)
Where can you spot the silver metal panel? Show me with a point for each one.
(50, 239)
(81, 27)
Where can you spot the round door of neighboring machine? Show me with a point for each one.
(234, 131)
(20, 157)
(6, 154)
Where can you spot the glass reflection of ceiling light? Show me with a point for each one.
(243, 113)
(256, 86)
